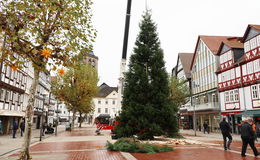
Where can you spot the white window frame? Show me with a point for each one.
(255, 92)
(236, 95)
(2, 96)
(256, 65)
(253, 43)
(247, 46)
(250, 67)
(231, 96)
(258, 40)
(227, 96)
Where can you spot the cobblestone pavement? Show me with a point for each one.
(80, 144)
(84, 144)
(9, 145)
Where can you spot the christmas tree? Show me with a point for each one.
(147, 110)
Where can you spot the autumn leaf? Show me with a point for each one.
(14, 67)
(46, 53)
(61, 71)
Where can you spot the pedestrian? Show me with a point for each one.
(206, 127)
(254, 129)
(1, 128)
(239, 127)
(22, 127)
(258, 129)
(226, 133)
(247, 136)
(44, 126)
(15, 127)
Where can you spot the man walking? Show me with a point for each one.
(247, 136)
(22, 127)
(15, 127)
(206, 127)
(226, 133)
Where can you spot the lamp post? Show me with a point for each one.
(41, 129)
(57, 120)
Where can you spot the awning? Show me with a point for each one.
(12, 113)
(230, 113)
(250, 113)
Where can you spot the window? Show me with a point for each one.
(7, 96)
(231, 96)
(247, 46)
(2, 94)
(106, 102)
(253, 43)
(99, 101)
(236, 95)
(258, 40)
(114, 102)
(256, 65)
(227, 96)
(99, 110)
(250, 67)
(64, 112)
(254, 91)
(106, 110)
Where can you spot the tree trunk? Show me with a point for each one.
(73, 119)
(25, 154)
(80, 119)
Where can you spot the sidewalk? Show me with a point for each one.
(212, 136)
(9, 144)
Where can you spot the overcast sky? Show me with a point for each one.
(179, 22)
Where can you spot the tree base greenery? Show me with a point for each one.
(129, 145)
(176, 135)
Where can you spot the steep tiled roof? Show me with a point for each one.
(257, 27)
(186, 59)
(234, 42)
(105, 90)
(212, 42)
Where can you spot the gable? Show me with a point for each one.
(179, 65)
(113, 95)
(251, 33)
(224, 49)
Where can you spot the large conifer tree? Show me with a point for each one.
(146, 108)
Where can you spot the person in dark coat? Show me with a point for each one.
(247, 136)
(22, 127)
(226, 133)
(206, 127)
(15, 127)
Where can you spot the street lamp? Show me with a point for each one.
(41, 129)
(57, 120)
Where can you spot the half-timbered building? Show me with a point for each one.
(251, 71)
(182, 72)
(12, 88)
(204, 81)
(230, 54)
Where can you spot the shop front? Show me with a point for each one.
(211, 118)
(7, 118)
(234, 119)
